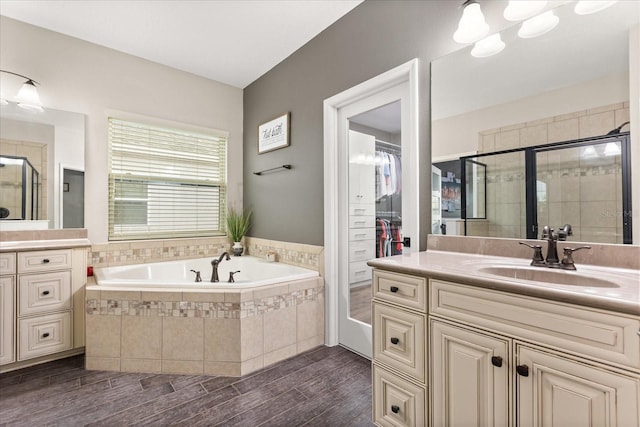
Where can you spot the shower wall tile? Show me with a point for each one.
(596, 124)
(279, 329)
(183, 339)
(508, 139)
(601, 214)
(533, 135)
(564, 130)
(141, 337)
(598, 187)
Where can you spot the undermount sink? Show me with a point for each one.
(547, 275)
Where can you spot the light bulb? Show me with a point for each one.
(472, 26)
(488, 46)
(518, 10)
(589, 152)
(611, 149)
(592, 6)
(538, 25)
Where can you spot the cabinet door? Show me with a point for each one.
(471, 381)
(7, 319)
(361, 168)
(554, 391)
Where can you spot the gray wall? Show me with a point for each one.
(373, 38)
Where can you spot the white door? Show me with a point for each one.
(374, 225)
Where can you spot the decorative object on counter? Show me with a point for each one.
(272, 169)
(271, 256)
(238, 223)
(273, 134)
(27, 96)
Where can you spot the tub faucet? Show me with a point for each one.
(215, 263)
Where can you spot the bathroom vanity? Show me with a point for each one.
(464, 339)
(42, 299)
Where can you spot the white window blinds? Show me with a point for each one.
(165, 183)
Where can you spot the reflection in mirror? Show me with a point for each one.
(568, 85)
(52, 141)
(19, 189)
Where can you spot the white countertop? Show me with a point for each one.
(43, 244)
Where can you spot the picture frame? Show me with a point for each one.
(274, 134)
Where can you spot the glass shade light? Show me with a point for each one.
(592, 6)
(28, 98)
(538, 25)
(472, 26)
(611, 149)
(519, 10)
(589, 152)
(488, 46)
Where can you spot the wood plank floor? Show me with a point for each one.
(326, 386)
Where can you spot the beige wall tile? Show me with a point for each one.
(270, 291)
(604, 108)
(141, 365)
(598, 215)
(212, 296)
(141, 337)
(533, 135)
(160, 296)
(279, 355)
(597, 124)
(182, 338)
(101, 363)
(540, 121)
(300, 285)
(598, 187)
(561, 213)
(252, 337)
(222, 340)
(102, 336)
(251, 365)
(184, 367)
(279, 329)
(568, 116)
(307, 320)
(507, 140)
(120, 295)
(597, 235)
(227, 369)
(310, 343)
(622, 116)
(92, 294)
(564, 130)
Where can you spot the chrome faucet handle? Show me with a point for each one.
(537, 259)
(567, 261)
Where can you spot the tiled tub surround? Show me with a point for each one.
(210, 332)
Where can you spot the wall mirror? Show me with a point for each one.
(52, 144)
(568, 85)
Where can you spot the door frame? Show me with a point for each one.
(407, 72)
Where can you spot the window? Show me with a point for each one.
(165, 183)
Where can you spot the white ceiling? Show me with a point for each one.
(230, 41)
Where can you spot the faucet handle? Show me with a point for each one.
(231, 273)
(198, 277)
(537, 259)
(567, 261)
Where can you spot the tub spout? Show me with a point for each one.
(215, 263)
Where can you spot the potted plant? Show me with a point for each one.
(238, 223)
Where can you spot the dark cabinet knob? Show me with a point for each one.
(45, 335)
(395, 409)
(496, 361)
(45, 261)
(522, 370)
(45, 293)
(394, 289)
(395, 340)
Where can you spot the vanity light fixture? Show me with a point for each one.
(472, 26)
(592, 6)
(519, 10)
(589, 152)
(538, 25)
(611, 149)
(488, 46)
(27, 96)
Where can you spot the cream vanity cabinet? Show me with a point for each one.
(7, 304)
(47, 286)
(500, 359)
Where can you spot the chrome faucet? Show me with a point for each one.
(552, 260)
(215, 263)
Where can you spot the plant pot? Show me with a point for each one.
(237, 248)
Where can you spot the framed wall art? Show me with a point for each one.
(274, 134)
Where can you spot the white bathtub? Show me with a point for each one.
(253, 272)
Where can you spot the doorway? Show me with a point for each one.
(365, 213)
(72, 214)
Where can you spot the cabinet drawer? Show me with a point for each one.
(400, 340)
(44, 335)
(357, 234)
(44, 292)
(362, 251)
(362, 210)
(359, 272)
(8, 263)
(400, 289)
(607, 336)
(397, 402)
(362, 221)
(29, 262)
